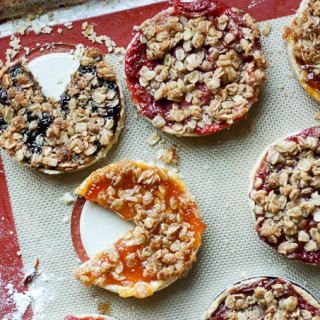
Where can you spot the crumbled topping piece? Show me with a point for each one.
(68, 25)
(266, 28)
(169, 155)
(89, 33)
(67, 198)
(154, 139)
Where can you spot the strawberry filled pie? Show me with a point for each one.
(303, 41)
(196, 68)
(285, 196)
(167, 233)
(65, 135)
(264, 298)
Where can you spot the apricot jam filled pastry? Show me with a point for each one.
(264, 298)
(285, 196)
(303, 42)
(167, 234)
(65, 135)
(195, 68)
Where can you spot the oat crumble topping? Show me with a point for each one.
(167, 233)
(286, 196)
(304, 31)
(64, 135)
(206, 70)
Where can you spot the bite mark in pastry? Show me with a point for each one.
(167, 234)
(65, 135)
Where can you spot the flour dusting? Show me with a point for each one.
(254, 3)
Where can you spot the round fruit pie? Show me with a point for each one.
(195, 68)
(303, 43)
(167, 233)
(285, 196)
(89, 317)
(264, 298)
(65, 135)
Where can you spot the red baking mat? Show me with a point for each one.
(119, 27)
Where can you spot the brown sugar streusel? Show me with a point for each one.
(303, 42)
(167, 234)
(195, 73)
(285, 196)
(264, 298)
(65, 135)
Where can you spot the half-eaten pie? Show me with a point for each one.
(303, 41)
(195, 68)
(167, 234)
(265, 298)
(285, 196)
(65, 135)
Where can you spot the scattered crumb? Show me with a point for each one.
(50, 16)
(317, 116)
(11, 232)
(127, 128)
(68, 25)
(104, 308)
(154, 139)
(266, 28)
(282, 87)
(19, 253)
(120, 50)
(90, 34)
(244, 275)
(168, 155)
(15, 44)
(250, 128)
(59, 79)
(46, 29)
(66, 219)
(60, 31)
(2, 218)
(67, 198)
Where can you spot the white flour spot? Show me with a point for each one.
(37, 295)
(254, 3)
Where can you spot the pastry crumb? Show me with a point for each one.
(68, 25)
(67, 198)
(244, 275)
(317, 116)
(60, 31)
(154, 139)
(168, 155)
(266, 28)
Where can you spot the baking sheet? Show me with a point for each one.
(216, 170)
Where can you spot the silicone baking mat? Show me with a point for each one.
(34, 223)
